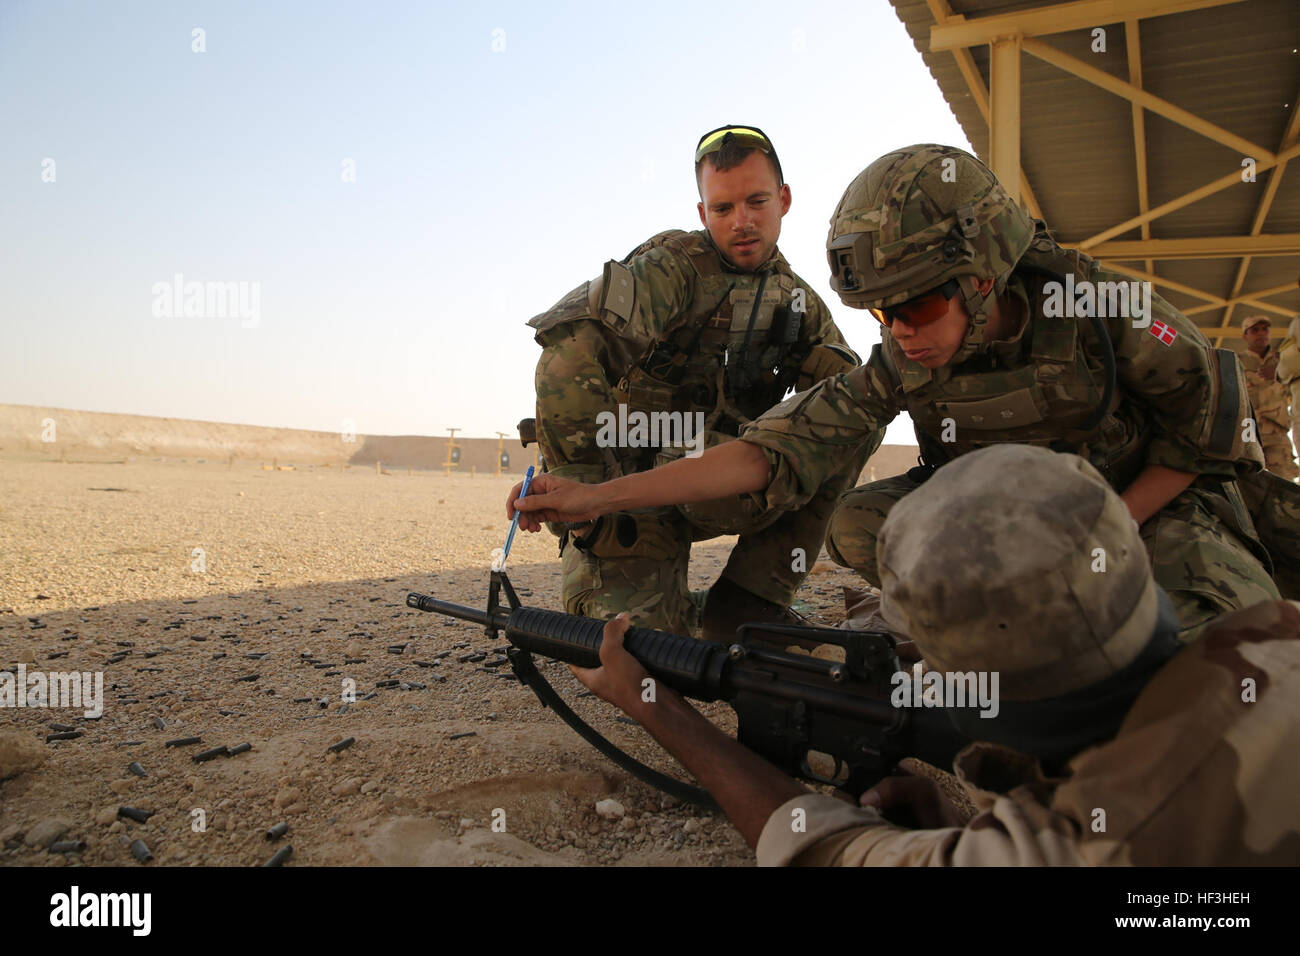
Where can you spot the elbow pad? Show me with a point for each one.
(823, 362)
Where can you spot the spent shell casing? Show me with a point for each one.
(140, 851)
(135, 813)
(277, 831)
(281, 855)
(210, 754)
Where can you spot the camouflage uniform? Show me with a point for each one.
(1177, 403)
(1288, 374)
(1195, 777)
(673, 328)
(1269, 399)
(1112, 742)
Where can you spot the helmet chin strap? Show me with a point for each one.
(979, 306)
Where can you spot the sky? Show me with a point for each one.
(389, 191)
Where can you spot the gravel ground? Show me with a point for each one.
(229, 603)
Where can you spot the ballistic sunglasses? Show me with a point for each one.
(748, 136)
(921, 310)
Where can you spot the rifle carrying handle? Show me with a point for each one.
(691, 667)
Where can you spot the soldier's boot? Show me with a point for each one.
(728, 606)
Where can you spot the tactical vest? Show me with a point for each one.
(725, 356)
(1050, 398)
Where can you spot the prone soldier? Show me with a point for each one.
(1113, 742)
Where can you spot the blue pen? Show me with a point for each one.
(514, 522)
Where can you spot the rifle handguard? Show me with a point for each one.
(693, 667)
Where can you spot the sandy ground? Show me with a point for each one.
(300, 572)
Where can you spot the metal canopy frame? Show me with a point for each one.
(1011, 34)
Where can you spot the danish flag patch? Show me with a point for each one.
(1164, 333)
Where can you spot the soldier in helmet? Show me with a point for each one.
(1268, 396)
(1288, 374)
(1114, 743)
(695, 333)
(985, 343)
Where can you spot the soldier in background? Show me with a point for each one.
(1114, 743)
(1288, 374)
(1268, 397)
(981, 352)
(712, 325)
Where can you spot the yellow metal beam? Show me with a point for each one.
(1209, 189)
(979, 93)
(953, 33)
(1215, 300)
(1166, 283)
(1133, 53)
(1136, 94)
(1261, 211)
(1234, 331)
(1004, 130)
(1238, 299)
(1201, 247)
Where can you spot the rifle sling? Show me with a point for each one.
(522, 664)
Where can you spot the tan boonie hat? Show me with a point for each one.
(1023, 561)
(1255, 320)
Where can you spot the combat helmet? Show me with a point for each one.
(920, 216)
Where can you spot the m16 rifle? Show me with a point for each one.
(788, 706)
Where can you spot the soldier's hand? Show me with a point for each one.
(1268, 371)
(555, 499)
(618, 679)
(921, 795)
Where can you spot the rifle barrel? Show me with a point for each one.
(424, 602)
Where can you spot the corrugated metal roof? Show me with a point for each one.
(1234, 66)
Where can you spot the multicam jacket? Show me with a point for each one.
(677, 330)
(1203, 771)
(1177, 401)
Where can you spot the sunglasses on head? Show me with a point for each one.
(922, 309)
(748, 136)
(751, 136)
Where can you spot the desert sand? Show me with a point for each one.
(245, 641)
